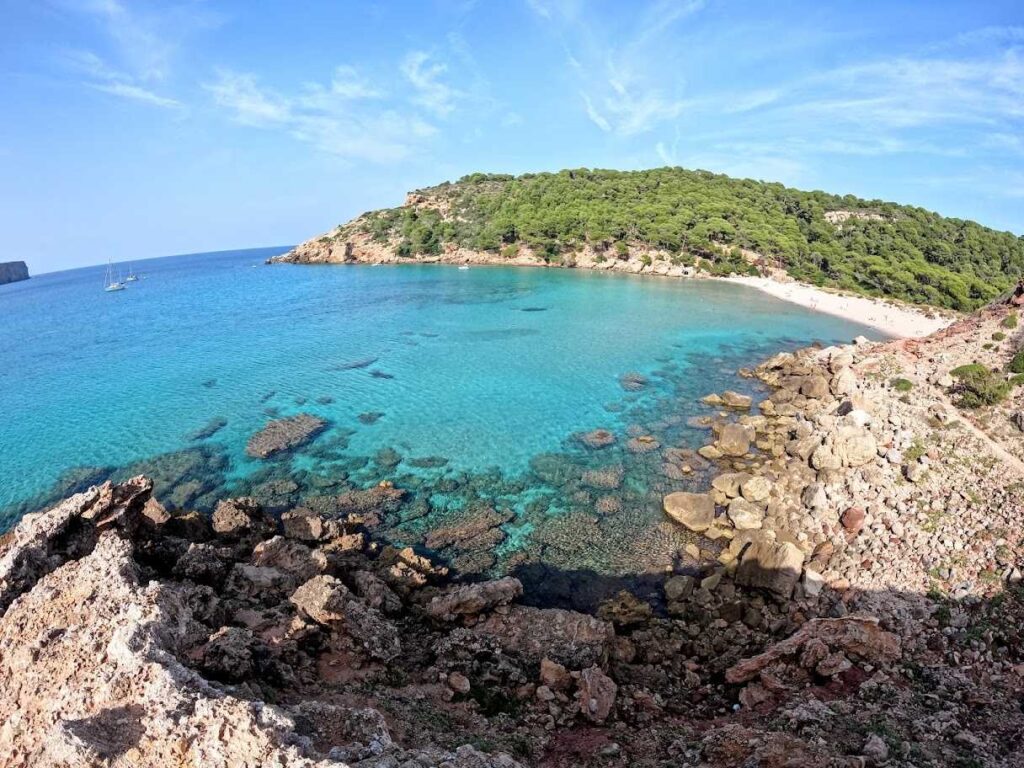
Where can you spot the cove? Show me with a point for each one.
(466, 388)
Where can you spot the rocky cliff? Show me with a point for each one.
(13, 271)
(854, 598)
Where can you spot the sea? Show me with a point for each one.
(468, 388)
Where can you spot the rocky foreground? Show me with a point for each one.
(855, 599)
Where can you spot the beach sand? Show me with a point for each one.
(901, 321)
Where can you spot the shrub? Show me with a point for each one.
(621, 249)
(645, 260)
(998, 336)
(509, 251)
(1010, 321)
(977, 386)
(902, 385)
(1017, 363)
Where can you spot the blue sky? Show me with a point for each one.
(134, 129)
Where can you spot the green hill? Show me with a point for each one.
(868, 246)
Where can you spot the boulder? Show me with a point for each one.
(853, 636)
(815, 387)
(730, 483)
(596, 694)
(744, 515)
(774, 566)
(572, 639)
(306, 525)
(854, 446)
(696, 511)
(756, 489)
(328, 602)
(732, 399)
(237, 518)
(852, 521)
(322, 599)
(290, 557)
(474, 599)
(734, 440)
(844, 382)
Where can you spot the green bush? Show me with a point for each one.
(509, 251)
(977, 386)
(998, 336)
(1017, 363)
(1010, 321)
(902, 385)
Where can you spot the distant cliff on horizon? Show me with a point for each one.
(675, 221)
(13, 271)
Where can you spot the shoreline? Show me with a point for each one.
(898, 321)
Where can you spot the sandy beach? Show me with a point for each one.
(901, 321)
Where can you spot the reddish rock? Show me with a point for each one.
(853, 521)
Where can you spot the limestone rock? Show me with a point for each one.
(856, 636)
(732, 399)
(237, 518)
(572, 639)
(774, 566)
(744, 515)
(596, 694)
(756, 489)
(696, 511)
(474, 599)
(734, 440)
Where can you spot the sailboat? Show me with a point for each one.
(131, 277)
(111, 283)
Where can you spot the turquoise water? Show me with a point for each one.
(491, 370)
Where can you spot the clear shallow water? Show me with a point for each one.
(485, 368)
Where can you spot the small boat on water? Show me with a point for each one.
(131, 277)
(111, 283)
(464, 266)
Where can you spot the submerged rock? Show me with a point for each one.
(597, 438)
(212, 427)
(633, 382)
(284, 434)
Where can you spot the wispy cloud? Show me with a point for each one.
(619, 72)
(139, 45)
(343, 118)
(100, 76)
(426, 77)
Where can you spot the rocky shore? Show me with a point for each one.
(847, 593)
(13, 272)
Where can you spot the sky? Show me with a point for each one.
(141, 128)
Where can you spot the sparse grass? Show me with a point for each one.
(916, 450)
(902, 385)
(1010, 321)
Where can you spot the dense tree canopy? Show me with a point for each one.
(868, 246)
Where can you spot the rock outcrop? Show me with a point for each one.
(13, 272)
